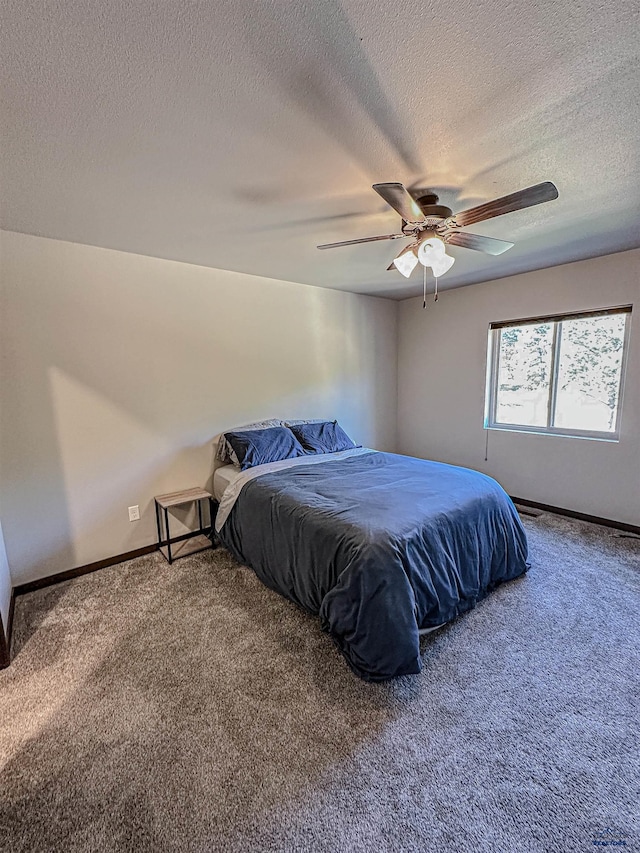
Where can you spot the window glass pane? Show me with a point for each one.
(589, 369)
(524, 369)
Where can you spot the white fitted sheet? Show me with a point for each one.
(222, 477)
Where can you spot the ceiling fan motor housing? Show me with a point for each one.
(428, 204)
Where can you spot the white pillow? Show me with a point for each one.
(307, 421)
(226, 453)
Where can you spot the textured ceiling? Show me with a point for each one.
(241, 134)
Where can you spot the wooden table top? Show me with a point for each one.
(183, 497)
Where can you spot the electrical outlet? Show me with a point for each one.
(134, 513)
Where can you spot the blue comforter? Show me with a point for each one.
(380, 546)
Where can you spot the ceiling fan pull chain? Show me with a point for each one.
(435, 298)
(424, 287)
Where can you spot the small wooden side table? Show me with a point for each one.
(188, 543)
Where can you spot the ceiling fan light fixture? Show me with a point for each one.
(431, 253)
(406, 261)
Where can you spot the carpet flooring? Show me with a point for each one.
(188, 708)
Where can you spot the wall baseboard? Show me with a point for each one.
(40, 583)
(12, 607)
(5, 634)
(5, 660)
(581, 516)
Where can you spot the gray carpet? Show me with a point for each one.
(188, 708)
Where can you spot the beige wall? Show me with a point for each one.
(441, 386)
(120, 369)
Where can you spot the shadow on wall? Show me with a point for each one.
(125, 368)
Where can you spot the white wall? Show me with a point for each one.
(441, 386)
(120, 369)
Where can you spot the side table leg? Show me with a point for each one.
(158, 524)
(166, 524)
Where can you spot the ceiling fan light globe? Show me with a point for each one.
(406, 262)
(430, 250)
(431, 253)
(442, 265)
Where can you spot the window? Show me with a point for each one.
(560, 375)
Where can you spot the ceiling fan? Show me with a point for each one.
(432, 225)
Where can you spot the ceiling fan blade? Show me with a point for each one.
(361, 240)
(399, 199)
(508, 203)
(488, 245)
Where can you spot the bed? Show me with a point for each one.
(381, 547)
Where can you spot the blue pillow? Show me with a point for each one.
(259, 446)
(326, 437)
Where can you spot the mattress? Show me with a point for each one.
(222, 477)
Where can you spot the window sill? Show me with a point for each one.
(614, 438)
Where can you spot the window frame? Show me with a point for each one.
(493, 364)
